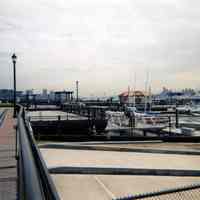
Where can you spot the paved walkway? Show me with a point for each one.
(107, 187)
(85, 158)
(8, 170)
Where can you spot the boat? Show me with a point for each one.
(117, 121)
(183, 131)
(150, 120)
(189, 109)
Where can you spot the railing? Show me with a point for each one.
(191, 192)
(34, 181)
(68, 116)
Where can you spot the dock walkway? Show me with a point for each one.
(8, 165)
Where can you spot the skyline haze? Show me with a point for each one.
(100, 43)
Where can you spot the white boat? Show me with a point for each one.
(184, 109)
(179, 131)
(117, 121)
(150, 120)
(192, 109)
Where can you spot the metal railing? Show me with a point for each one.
(191, 192)
(68, 116)
(34, 181)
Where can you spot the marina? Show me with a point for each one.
(99, 100)
(97, 164)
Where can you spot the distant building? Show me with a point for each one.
(176, 97)
(7, 95)
(129, 97)
(29, 92)
(63, 96)
(51, 96)
(45, 93)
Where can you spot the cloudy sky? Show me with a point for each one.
(102, 43)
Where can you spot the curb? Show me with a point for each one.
(123, 171)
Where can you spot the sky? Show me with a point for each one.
(104, 44)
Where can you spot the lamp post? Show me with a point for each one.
(14, 58)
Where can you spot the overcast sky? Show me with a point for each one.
(101, 43)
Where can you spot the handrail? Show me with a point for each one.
(34, 180)
(158, 194)
(48, 185)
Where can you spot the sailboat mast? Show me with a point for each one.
(146, 84)
(150, 99)
(128, 94)
(134, 90)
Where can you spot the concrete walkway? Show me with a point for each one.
(85, 158)
(8, 170)
(108, 187)
(94, 171)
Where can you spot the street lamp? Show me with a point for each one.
(14, 58)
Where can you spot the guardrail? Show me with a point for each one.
(68, 116)
(34, 180)
(184, 193)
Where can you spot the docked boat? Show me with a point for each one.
(117, 121)
(150, 120)
(184, 131)
(189, 109)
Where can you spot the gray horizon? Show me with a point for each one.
(103, 44)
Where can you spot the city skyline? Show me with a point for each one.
(103, 44)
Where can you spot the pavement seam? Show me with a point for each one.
(123, 171)
(104, 187)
